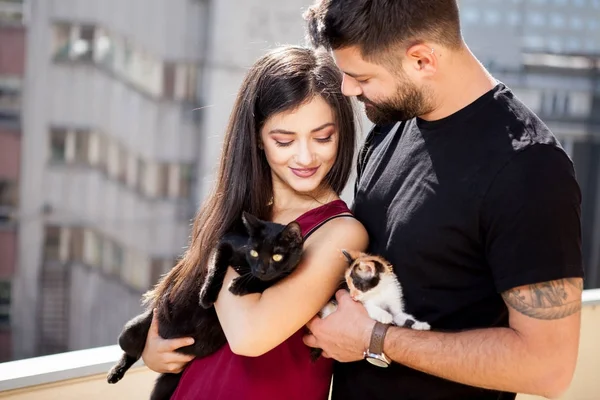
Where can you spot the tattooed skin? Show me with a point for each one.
(547, 300)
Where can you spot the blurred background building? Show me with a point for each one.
(111, 120)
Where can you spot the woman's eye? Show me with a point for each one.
(283, 144)
(324, 140)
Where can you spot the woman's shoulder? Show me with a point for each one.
(343, 229)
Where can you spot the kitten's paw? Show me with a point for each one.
(328, 309)
(380, 315)
(420, 326)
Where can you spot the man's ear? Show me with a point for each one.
(422, 58)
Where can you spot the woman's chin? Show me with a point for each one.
(304, 185)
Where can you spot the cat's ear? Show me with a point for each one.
(292, 232)
(251, 223)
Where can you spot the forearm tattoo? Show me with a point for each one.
(547, 300)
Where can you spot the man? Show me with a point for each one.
(471, 199)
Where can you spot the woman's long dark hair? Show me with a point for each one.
(281, 80)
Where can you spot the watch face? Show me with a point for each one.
(377, 362)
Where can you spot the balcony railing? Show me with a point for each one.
(82, 374)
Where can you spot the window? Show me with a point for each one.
(162, 180)
(93, 249)
(557, 20)
(8, 193)
(492, 17)
(169, 80)
(74, 42)
(82, 147)
(122, 174)
(104, 48)
(11, 11)
(58, 145)
(5, 295)
(61, 37)
(76, 244)
(10, 94)
(186, 175)
(576, 23)
(113, 257)
(159, 267)
(141, 175)
(52, 243)
(536, 19)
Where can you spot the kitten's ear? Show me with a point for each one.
(251, 223)
(292, 232)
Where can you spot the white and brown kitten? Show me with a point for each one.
(371, 280)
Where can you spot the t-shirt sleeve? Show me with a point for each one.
(531, 219)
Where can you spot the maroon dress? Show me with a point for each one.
(285, 372)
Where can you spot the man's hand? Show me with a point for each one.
(345, 334)
(159, 354)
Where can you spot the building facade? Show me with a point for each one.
(12, 58)
(548, 52)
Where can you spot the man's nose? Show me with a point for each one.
(350, 86)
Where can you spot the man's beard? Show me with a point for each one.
(403, 106)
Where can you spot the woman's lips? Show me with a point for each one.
(304, 172)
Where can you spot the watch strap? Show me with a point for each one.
(377, 337)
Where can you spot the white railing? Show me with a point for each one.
(49, 375)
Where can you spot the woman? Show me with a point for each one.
(287, 155)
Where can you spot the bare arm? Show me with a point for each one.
(256, 323)
(536, 354)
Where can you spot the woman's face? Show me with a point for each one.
(301, 145)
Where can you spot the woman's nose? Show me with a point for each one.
(304, 157)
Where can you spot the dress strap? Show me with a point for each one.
(314, 228)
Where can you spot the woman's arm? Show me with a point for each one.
(257, 323)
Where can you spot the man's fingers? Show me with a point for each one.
(342, 295)
(310, 341)
(174, 344)
(153, 332)
(311, 324)
(179, 358)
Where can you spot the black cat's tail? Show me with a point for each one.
(315, 353)
(165, 386)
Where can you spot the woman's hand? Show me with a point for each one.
(159, 354)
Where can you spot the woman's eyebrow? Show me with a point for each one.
(285, 132)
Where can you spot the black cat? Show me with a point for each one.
(264, 255)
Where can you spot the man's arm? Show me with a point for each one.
(536, 354)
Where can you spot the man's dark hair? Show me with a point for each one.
(378, 25)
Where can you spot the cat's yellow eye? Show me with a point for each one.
(277, 257)
(253, 253)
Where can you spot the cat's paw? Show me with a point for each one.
(237, 287)
(115, 375)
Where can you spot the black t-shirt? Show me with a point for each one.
(464, 208)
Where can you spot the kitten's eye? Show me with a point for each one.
(253, 253)
(277, 257)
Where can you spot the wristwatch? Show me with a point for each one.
(374, 353)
